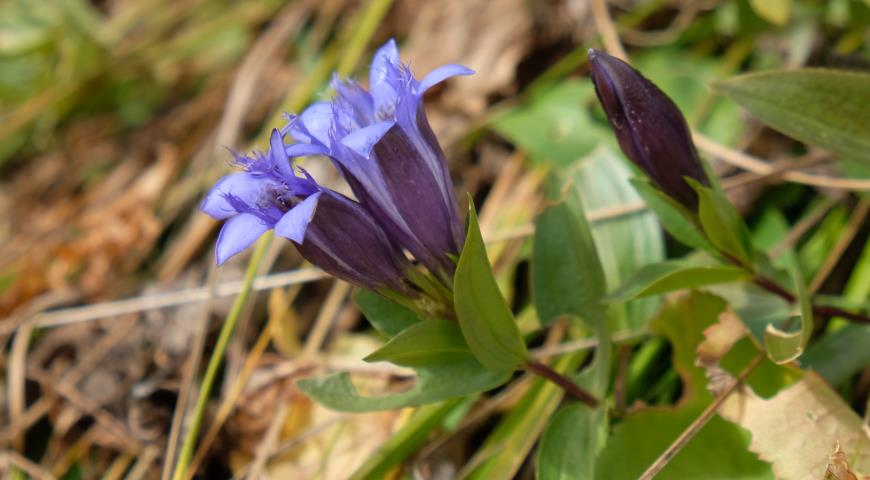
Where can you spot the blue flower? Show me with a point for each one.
(330, 230)
(382, 142)
(650, 129)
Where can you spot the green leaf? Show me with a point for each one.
(624, 243)
(822, 107)
(783, 347)
(774, 11)
(676, 275)
(719, 450)
(567, 278)
(386, 316)
(485, 319)
(646, 432)
(451, 379)
(573, 438)
(724, 227)
(673, 216)
(426, 343)
(554, 127)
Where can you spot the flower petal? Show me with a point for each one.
(386, 60)
(440, 74)
(243, 186)
(313, 124)
(304, 150)
(237, 234)
(294, 223)
(278, 153)
(363, 141)
(344, 240)
(359, 100)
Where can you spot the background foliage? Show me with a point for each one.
(115, 115)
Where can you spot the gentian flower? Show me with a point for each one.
(382, 143)
(649, 127)
(330, 230)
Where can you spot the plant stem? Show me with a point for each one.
(216, 359)
(699, 422)
(824, 311)
(565, 383)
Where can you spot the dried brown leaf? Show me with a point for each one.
(792, 429)
(838, 467)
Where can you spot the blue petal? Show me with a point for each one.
(248, 188)
(276, 142)
(364, 140)
(237, 234)
(359, 100)
(304, 150)
(440, 74)
(294, 223)
(278, 154)
(313, 124)
(386, 60)
(388, 54)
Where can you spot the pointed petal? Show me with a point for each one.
(294, 223)
(237, 234)
(387, 54)
(363, 141)
(278, 153)
(313, 124)
(385, 61)
(276, 143)
(244, 186)
(440, 74)
(359, 100)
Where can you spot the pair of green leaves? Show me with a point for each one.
(451, 359)
(485, 329)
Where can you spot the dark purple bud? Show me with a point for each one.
(649, 127)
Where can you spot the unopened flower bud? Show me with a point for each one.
(649, 127)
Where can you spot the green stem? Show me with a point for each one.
(217, 356)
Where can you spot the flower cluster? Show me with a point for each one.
(383, 145)
(649, 128)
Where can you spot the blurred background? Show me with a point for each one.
(115, 119)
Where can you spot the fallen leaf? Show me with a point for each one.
(838, 467)
(791, 429)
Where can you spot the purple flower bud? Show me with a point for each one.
(649, 127)
(383, 144)
(330, 230)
